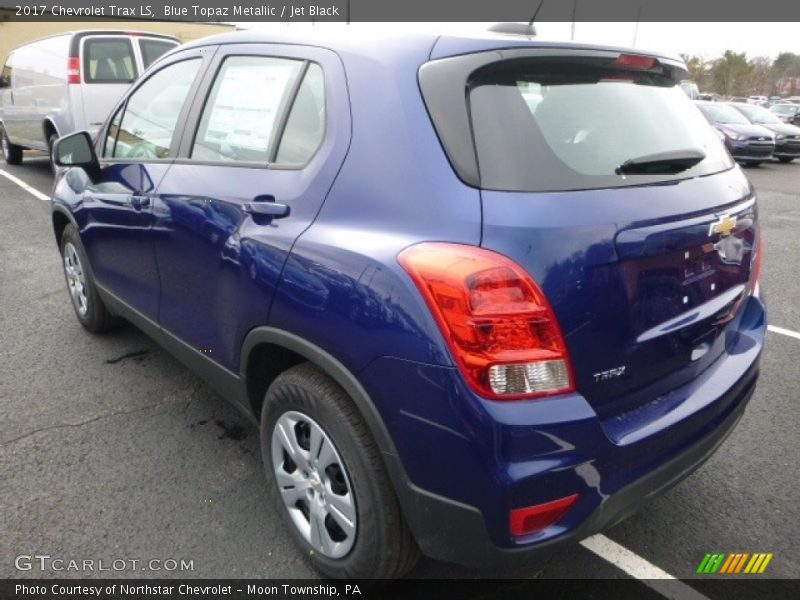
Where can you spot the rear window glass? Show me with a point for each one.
(152, 50)
(550, 125)
(108, 60)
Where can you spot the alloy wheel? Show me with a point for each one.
(76, 281)
(314, 484)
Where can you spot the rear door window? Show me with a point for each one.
(152, 50)
(552, 125)
(241, 118)
(305, 126)
(108, 60)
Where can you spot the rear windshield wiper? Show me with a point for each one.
(662, 162)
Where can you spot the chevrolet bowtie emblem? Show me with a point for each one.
(723, 227)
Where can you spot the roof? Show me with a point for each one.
(366, 42)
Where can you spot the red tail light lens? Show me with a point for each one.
(635, 61)
(73, 69)
(524, 521)
(497, 323)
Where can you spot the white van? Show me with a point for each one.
(69, 82)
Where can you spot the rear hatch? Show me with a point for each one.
(608, 186)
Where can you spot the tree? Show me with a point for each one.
(730, 73)
(787, 71)
(698, 69)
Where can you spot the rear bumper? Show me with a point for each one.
(464, 538)
(469, 462)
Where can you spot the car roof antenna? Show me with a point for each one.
(518, 28)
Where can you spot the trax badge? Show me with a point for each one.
(722, 227)
(609, 374)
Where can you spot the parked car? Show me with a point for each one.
(474, 363)
(69, 82)
(747, 143)
(787, 137)
(690, 89)
(787, 112)
(757, 100)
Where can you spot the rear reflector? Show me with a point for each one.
(73, 69)
(528, 520)
(635, 61)
(496, 320)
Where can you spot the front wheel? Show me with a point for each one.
(328, 480)
(785, 159)
(12, 153)
(86, 302)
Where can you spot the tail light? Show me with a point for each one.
(498, 324)
(73, 69)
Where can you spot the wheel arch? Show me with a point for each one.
(61, 218)
(287, 350)
(48, 127)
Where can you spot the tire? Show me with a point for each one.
(50, 142)
(785, 159)
(89, 308)
(752, 163)
(379, 545)
(11, 152)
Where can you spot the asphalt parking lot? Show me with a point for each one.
(109, 448)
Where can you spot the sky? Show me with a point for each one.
(708, 40)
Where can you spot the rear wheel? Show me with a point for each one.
(328, 480)
(89, 308)
(12, 153)
(785, 159)
(50, 143)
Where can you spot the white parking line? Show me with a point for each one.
(31, 190)
(783, 331)
(638, 568)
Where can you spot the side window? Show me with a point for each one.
(108, 60)
(8, 71)
(305, 127)
(112, 134)
(242, 113)
(152, 111)
(152, 50)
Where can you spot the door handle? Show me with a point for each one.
(265, 206)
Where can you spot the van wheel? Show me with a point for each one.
(11, 152)
(50, 143)
(89, 308)
(328, 481)
(786, 159)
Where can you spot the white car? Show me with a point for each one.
(69, 82)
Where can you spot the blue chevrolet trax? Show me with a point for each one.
(481, 295)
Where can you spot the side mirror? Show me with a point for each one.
(76, 150)
(5, 82)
